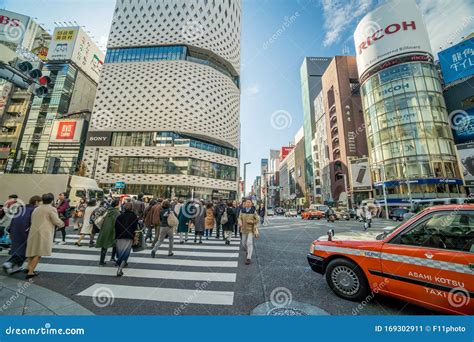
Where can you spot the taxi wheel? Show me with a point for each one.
(347, 280)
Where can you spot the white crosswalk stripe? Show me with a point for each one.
(178, 278)
(196, 296)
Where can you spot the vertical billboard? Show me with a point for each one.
(466, 156)
(72, 43)
(67, 131)
(360, 175)
(393, 29)
(457, 62)
(12, 28)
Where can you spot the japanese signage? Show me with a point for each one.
(360, 175)
(462, 124)
(74, 44)
(466, 155)
(67, 131)
(385, 33)
(457, 62)
(285, 150)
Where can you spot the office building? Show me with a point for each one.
(166, 116)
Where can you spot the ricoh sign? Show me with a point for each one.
(391, 30)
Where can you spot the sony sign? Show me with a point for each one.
(389, 31)
(98, 138)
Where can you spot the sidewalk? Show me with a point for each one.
(24, 298)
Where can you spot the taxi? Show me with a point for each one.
(427, 260)
(311, 214)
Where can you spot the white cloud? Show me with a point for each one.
(253, 89)
(447, 21)
(339, 15)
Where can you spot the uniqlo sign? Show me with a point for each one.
(67, 131)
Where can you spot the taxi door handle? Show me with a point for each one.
(471, 266)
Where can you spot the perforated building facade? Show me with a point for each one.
(168, 103)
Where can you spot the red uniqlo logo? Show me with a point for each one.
(66, 130)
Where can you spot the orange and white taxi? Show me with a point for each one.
(427, 260)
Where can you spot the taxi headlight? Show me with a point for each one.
(311, 249)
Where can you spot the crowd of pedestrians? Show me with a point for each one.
(121, 226)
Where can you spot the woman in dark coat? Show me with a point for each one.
(185, 214)
(18, 230)
(106, 237)
(199, 222)
(228, 227)
(125, 227)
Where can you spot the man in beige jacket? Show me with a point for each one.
(248, 221)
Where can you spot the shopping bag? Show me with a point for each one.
(139, 243)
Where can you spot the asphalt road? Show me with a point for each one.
(208, 279)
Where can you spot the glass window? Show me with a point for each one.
(452, 231)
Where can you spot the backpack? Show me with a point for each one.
(68, 212)
(224, 218)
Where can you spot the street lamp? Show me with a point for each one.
(266, 193)
(245, 175)
(382, 170)
(408, 185)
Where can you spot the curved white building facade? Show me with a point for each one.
(166, 119)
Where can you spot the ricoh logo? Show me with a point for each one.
(394, 89)
(381, 33)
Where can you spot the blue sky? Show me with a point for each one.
(270, 69)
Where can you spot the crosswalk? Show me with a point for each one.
(197, 273)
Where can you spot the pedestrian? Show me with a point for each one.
(126, 226)
(147, 221)
(168, 224)
(79, 214)
(209, 221)
(185, 213)
(155, 221)
(368, 217)
(236, 206)
(106, 237)
(199, 222)
(261, 213)
(177, 206)
(248, 221)
(18, 230)
(7, 213)
(228, 227)
(139, 209)
(44, 221)
(88, 227)
(219, 211)
(64, 214)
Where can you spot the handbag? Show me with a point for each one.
(224, 218)
(139, 241)
(172, 220)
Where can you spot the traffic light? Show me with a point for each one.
(25, 67)
(43, 82)
(40, 82)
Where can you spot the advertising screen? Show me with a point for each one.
(67, 131)
(360, 174)
(457, 62)
(385, 33)
(466, 155)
